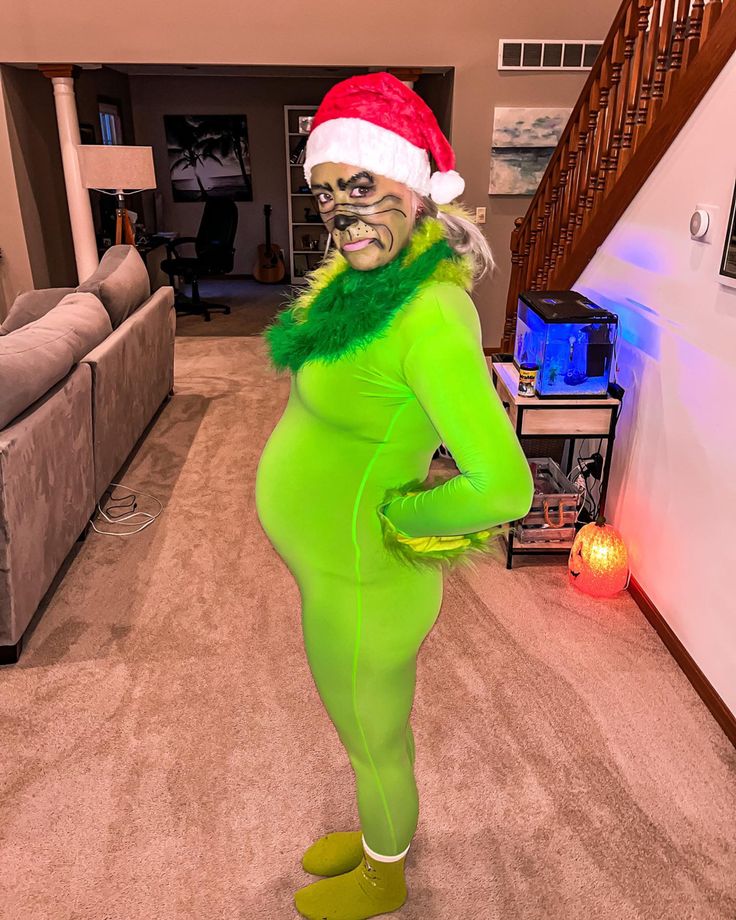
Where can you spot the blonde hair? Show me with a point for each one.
(461, 231)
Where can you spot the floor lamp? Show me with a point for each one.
(124, 170)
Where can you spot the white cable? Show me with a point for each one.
(126, 520)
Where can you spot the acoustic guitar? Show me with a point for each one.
(269, 267)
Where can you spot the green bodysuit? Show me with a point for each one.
(376, 386)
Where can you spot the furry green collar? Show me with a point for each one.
(343, 309)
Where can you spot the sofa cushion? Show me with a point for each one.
(121, 282)
(36, 356)
(32, 305)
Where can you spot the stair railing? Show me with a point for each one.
(656, 64)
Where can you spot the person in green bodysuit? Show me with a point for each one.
(386, 360)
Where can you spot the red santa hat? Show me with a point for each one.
(376, 122)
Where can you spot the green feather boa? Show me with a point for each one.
(343, 309)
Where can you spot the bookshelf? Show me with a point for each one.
(308, 239)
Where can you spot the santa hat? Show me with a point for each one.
(376, 122)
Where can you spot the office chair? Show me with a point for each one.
(215, 255)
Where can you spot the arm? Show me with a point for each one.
(446, 368)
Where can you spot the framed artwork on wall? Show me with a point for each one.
(209, 157)
(523, 142)
(727, 270)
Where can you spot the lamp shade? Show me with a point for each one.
(116, 166)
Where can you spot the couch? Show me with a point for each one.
(82, 373)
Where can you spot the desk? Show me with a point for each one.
(571, 419)
(153, 250)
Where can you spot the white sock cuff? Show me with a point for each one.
(379, 858)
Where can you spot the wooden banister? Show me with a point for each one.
(655, 65)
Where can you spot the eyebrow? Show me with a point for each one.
(345, 184)
(353, 180)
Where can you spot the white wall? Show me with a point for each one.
(673, 486)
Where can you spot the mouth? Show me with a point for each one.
(358, 244)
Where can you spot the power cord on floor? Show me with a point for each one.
(123, 510)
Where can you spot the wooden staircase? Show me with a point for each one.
(656, 64)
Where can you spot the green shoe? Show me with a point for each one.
(371, 889)
(334, 854)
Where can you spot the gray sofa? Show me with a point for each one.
(82, 373)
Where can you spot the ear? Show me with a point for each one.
(416, 204)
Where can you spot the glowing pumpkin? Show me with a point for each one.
(599, 562)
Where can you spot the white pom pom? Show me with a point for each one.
(444, 186)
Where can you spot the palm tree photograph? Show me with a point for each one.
(209, 157)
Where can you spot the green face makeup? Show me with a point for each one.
(370, 217)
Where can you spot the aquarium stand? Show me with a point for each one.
(571, 419)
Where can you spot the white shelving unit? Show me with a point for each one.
(301, 257)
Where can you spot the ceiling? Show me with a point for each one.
(249, 70)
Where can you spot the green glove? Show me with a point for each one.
(433, 544)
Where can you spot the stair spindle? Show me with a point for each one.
(634, 84)
(678, 45)
(663, 60)
(692, 35)
(710, 18)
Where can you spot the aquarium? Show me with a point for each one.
(569, 338)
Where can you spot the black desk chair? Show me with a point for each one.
(215, 255)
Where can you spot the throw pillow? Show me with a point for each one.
(121, 282)
(29, 306)
(38, 355)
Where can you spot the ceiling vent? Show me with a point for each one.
(537, 54)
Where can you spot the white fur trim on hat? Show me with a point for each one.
(358, 142)
(445, 186)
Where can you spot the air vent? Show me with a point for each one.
(536, 54)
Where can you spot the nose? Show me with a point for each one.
(343, 221)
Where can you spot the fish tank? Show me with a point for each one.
(571, 341)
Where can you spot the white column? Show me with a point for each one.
(77, 196)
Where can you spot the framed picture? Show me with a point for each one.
(524, 140)
(727, 271)
(209, 157)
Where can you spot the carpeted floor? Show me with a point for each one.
(252, 306)
(165, 754)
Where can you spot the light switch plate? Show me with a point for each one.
(480, 215)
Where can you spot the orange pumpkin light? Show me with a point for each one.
(599, 562)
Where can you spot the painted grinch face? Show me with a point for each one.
(369, 216)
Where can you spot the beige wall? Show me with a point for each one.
(36, 160)
(15, 266)
(39, 177)
(463, 34)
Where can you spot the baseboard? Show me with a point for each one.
(703, 687)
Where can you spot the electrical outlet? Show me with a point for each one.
(480, 215)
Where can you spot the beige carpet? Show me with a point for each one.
(165, 755)
(252, 306)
